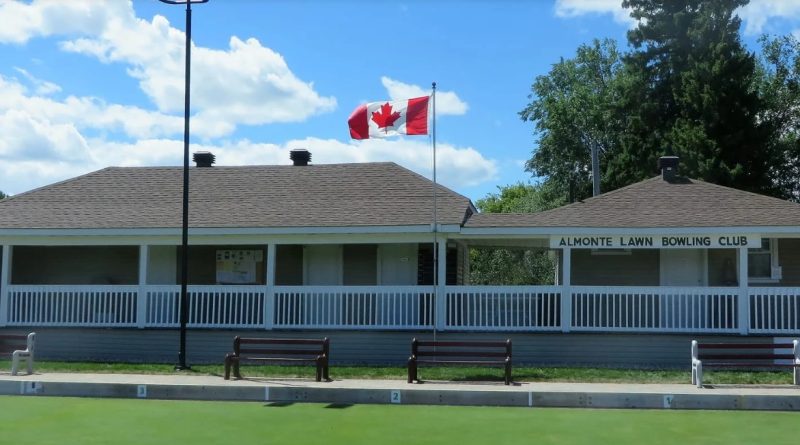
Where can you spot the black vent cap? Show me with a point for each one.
(669, 167)
(204, 159)
(300, 156)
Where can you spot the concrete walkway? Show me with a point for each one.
(535, 394)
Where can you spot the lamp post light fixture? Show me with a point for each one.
(184, 303)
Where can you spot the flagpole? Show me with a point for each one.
(435, 220)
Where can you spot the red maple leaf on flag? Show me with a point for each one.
(385, 118)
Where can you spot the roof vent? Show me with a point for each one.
(669, 167)
(204, 159)
(300, 156)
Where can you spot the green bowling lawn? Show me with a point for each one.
(43, 420)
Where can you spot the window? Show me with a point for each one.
(762, 263)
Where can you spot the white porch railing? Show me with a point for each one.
(655, 309)
(774, 310)
(354, 307)
(503, 308)
(209, 306)
(74, 305)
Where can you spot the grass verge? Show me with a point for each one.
(521, 373)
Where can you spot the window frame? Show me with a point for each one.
(773, 262)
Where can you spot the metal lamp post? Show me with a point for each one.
(184, 302)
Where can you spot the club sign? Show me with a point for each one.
(723, 241)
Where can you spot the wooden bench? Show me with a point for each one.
(284, 350)
(743, 355)
(481, 353)
(19, 347)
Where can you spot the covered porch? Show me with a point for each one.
(390, 286)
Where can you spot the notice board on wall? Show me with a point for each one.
(238, 266)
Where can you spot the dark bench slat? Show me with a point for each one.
(752, 364)
(277, 359)
(746, 356)
(460, 354)
(463, 362)
(464, 344)
(282, 341)
(4, 337)
(281, 351)
(745, 346)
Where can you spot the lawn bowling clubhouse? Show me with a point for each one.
(348, 252)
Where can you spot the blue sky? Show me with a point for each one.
(89, 84)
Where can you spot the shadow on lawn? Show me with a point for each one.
(278, 404)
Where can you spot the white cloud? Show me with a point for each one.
(574, 8)
(88, 112)
(758, 13)
(247, 83)
(41, 18)
(26, 137)
(447, 102)
(43, 87)
(457, 167)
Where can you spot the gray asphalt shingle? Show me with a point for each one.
(659, 204)
(326, 195)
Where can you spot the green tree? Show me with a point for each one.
(687, 87)
(3, 195)
(778, 84)
(515, 265)
(573, 108)
(689, 92)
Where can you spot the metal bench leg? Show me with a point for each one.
(227, 366)
(236, 371)
(412, 370)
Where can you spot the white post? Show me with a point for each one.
(141, 301)
(269, 297)
(441, 277)
(5, 274)
(566, 293)
(744, 298)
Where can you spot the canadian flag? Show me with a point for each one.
(382, 119)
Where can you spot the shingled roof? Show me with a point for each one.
(326, 195)
(659, 204)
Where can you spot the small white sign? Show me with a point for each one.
(395, 396)
(141, 391)
(668, 399)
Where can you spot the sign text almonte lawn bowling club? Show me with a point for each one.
(656, 241)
